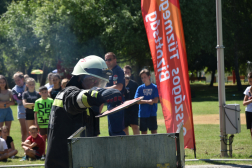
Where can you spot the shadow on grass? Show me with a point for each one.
(200, 92)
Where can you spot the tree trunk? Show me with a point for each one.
(212, 78)
(23, 68)
(137, 69)
(236, 59)
(236, 63)
(44, 75)
(31, 66)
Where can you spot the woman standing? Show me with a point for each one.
(56, 86)
(6, 100)
(29, 97)
(17, 92)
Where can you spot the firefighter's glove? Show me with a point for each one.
(97, 96)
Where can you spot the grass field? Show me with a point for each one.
(204, 101)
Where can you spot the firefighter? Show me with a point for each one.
(76, 106)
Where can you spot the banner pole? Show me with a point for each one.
(221, 77)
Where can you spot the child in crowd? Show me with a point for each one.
(49, 85)
(247, 101)
(26, 76)
(17, 92)
(29, 98)
(3, 148)
(56, 86)
(130, 113)
(9, 141)
(148, 106)
(42, 111)
(6, 100)
(64, 83)
(34, 145)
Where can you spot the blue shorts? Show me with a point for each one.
(6, 114)
(21, 112)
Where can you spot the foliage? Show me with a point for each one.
(68, 30)
(199, 25)
(36, 32)
(199, 20)
(21, 46)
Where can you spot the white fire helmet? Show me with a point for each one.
(93, 67)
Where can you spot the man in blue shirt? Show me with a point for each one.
(116, 81)
(147, 114)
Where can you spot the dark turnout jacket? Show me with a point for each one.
(67, 117)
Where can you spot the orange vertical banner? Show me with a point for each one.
(163, 25)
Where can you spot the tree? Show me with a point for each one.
(19, 44)
(199, 25)
(237, 17)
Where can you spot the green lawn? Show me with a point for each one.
(204, 101)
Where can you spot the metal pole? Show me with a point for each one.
(221, 76)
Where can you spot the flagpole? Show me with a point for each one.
(221, 76)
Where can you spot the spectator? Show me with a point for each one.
(116, 120)
(64, 83)
(56, 86)
(247, 101)
(29, 98)
(3, 148)
(148, 106)
(49, 85)
(131, 113)
(17, 92)
(42, 111)
(34, 145)
(6, 100)
(9, 141)
(25, 77)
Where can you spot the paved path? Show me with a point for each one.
(219, 166)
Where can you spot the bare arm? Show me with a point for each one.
(144, 101)
(12, 146)
(3, 152)
(27, 144)
(28, 105)
(2, 103)
(118, 86)
(155, 100)
(150, 102)
(246, 101)
(35, 119)
(33, 145)
(11, 102)
(49, 92)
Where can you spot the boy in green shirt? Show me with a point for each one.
(42, 109)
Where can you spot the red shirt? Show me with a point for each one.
(40, 144)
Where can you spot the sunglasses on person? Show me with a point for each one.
(110, 59)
